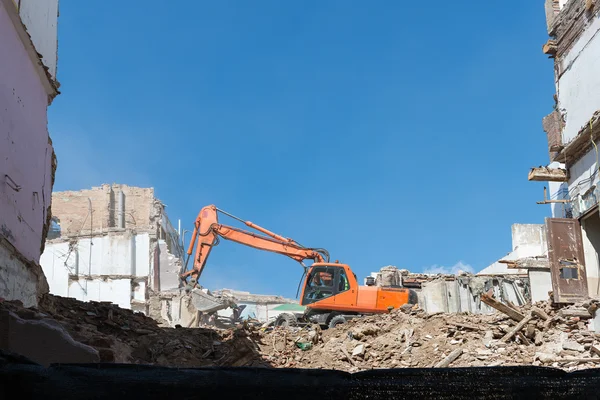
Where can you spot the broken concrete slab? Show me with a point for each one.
(42, 341)
(207, 303)
(546, 174)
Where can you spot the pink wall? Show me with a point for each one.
(25, 154)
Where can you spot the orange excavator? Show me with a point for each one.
(330, 290)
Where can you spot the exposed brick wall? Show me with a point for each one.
(552, 10)
(553, 126)
(72, 209)
(570, 24)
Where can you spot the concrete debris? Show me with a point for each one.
(43, 341)
(456, 293)
(358, 350)
(405, 338)
(122, 336)
(416, 339)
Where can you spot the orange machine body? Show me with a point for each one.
(333, 286)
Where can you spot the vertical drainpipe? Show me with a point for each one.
(76, 263)
(156, 268)
(121, 209)
(132, 254)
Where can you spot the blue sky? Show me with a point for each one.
(388, 132)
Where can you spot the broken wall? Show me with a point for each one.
(115, 267)
(27, 159)
(461, 294)
(41, 19)
(528, 240)
(72, 209)
(111, 243)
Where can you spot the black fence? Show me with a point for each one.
(20, 379)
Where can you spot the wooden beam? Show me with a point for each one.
(536, 312)
(517, 328)
(545, 174)
(527, 263)
(448, 360)
(490, 301)
(550, 47)
(581, 143)
(575, 313)
(589, 4)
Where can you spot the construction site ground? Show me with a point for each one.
(405, 338)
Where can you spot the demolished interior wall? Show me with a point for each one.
(176, 307)
(529, 242)
(462, 293)
(110, 243)
(457, 293)
(262, 308)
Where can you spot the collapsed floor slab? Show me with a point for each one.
(42, 340)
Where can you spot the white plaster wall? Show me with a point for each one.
(579, 85)
(528, 240)
(556, 192)
(117, 291)
(169, 268)
(41, 19)
(582, 171)
(58, 263)
(139, 291)
(499, 268)
(115, 254)
(432, 296)
(541, 284)
(591, 236)
(142, 255)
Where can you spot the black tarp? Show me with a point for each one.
(20, 379)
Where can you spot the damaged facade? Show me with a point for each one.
(456, 293)
(111, 243)
(572, 130)
(28, 85)
(528, 258)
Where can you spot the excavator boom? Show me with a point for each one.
(208, 230)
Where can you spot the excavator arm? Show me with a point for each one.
(208, 230)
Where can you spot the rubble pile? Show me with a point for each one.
(542, 335)
(410, 338)
(122, 336)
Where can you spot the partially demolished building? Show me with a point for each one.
(111, 243)
(28, 85)
(573, 130)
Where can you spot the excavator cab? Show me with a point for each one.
(324, 281)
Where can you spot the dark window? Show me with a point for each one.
(569, 273)
(344, 283)
(324, 282)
